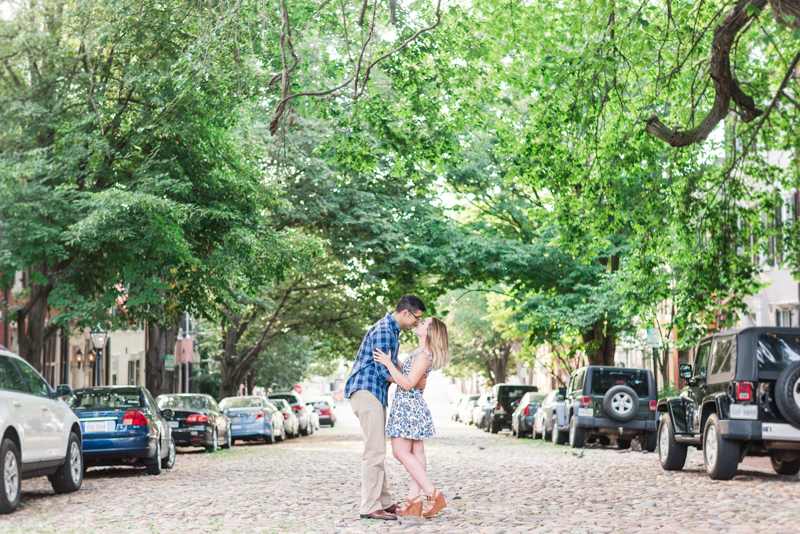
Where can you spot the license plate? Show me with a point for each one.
(236, 427)
(585, 412)
(739, 411)
(98, 426)
(174, 424)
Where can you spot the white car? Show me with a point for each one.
(40, 434)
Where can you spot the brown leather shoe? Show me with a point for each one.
(379, 514)
(392, 508)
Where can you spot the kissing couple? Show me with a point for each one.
(375, 368)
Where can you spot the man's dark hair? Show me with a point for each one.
(411, 303)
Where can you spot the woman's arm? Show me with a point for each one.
(418, 368)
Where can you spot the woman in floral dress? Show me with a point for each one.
(410, 420)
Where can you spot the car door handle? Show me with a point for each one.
(17, 404)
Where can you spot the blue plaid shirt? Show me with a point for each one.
(367, 373)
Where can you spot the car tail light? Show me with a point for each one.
(197, 418)
(134, 418)
(653, 405)
(286, 416)
(527, 410)
(586, 402)
(744, 391)
(297, 408)
(258, 414)
(499, 405)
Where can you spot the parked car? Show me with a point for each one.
(298, 406)
(545, 417)
(324, 407)
(41, 436)
(610, 403)
(122, 425)
(196, 420)
(465, 408)
(290, 422)
(253, 418)
(742, 398)
(479, 411)
(506, 398)
(522, 418)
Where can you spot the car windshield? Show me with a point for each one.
(512, 394)
(183, 403)
(104, 399)
(291, 399)
(776, 351)
(280, 404)
(605, 379)
(320, 404)
(536, 400)
(241, 402)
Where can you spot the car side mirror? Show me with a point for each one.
(167, 413)
(63, 390)
(562, 392)
(685, 370)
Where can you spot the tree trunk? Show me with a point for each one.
(160, 342)
(229, 377)
(30, 321)
(601, 341)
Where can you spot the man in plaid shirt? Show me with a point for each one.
(368, 391)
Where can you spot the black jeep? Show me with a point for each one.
(609, 402)
(507, 397)
(742, 398)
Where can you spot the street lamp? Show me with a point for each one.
(99, 340)
(79, 357)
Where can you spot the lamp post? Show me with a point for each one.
(99, 340)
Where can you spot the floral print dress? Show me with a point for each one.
(410, 417)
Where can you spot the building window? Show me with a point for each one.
(784, 318)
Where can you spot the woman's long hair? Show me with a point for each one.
(439, 344)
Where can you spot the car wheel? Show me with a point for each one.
(558, 437)
(621, 403)
(169, 461)
(11, 480)
(333, 423)
(577, 434)
(306, 431)
(649, 441)
(154, 467)
(623, 443)
(214, 442)
(720, 455)
(228, 439)
(69, 476)
(785, 467)
(494, 428)
(546, 435)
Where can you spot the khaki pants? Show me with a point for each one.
(372, 416)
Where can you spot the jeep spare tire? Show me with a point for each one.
(621, 403)
(787, 393)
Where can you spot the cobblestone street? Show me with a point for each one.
(493, 483)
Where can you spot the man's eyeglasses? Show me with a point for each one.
(419, 319)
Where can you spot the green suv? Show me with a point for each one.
(610, 402)
(742, 398)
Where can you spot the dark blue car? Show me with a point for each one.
(122, 425)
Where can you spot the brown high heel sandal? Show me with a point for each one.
(412, 508)
(438, 504)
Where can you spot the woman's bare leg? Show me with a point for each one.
(418, 450)
(401, 448)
